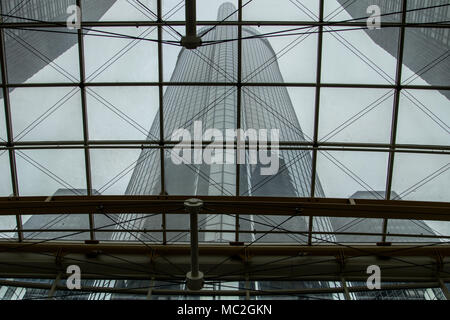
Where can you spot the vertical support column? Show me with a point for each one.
(310, 231)
(247, 287)
(150, 289)
(9, 132)
(51, 293)
(398, 87)
(317, 101)
(85, 120)
(238, 110)
(444, 289)
(161, 115)
(346, 292)
(194, 278)
(191, 40)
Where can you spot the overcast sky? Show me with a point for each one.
(298, 65)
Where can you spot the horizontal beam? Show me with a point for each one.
(225, 84)
(212, 230)
(135, 23)
(225, 262)
(229, 292)
(318, 207)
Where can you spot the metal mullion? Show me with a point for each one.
(238, 110)
(291, 232)
(310, 230)
(317, 101)
(161, 114)
(146, 23)
(345, 289)
(288, 147)
(144, 291)
(9, 131)
(55, 283)
(156, 144)
(150, 289)
(221, 84)
(87, 160)
(398, 79)
(444, 289)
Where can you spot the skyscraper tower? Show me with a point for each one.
(29, 51)
(267, 107)
(216, 106)
(426, 50)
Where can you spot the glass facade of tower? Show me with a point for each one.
(426, 48)
(185, 104)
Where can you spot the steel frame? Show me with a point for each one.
(151, 291)
(307, 207)
(255, 263)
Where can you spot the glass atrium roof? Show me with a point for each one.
(94, 92)
(83, 106)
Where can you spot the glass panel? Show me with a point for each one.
(119, 10)
(125, 171)
(46, 55)
(346, 174)
(427, 110)
(198, 179)
(361, 115)
(270, 229)
(344, 10)
(123, 226)
(36, 9)
(440, 228)
(418, 228)
(46, 114)
(290, 110)
(217, 228)
(279, 58)
(371, 59)
(129, 110)
(83, 294)
(205, 63)
(422, 177)
(121, 296)
(425, 58)
(346, 226)
(287, 174)
(3, 133)
(173, 10)
(395, 294)
(432, 15)
(23, 293)
(44, 172)
(207, 9)
(213, 106)
(5, 173)
(297, 285)
(284, 10)
(122, 59)
(171, 53)
(8, 225)
(48, 222)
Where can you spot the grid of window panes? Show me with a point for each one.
(361, 113)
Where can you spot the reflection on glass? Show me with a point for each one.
(422, 177)
(42, 172)
(50, 114)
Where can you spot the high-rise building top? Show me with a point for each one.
(216, 106)
(28, 51)
(425, 49)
